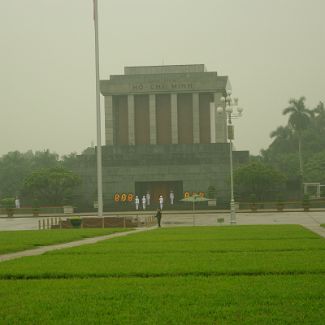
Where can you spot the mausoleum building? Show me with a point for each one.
(163, 133)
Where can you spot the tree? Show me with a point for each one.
(315, 168)
(299, 120)
(319, 117)
(8, 204)
(283, 133)
(288, 165)
(14, 167)
(51, 186)
(258, 179)
(45, 159)
(70, 161)
(283, 140)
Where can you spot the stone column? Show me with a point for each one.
(152, 119)
(213, 112)
(196, 118)
(109, 131)
(174, 126)
(221, 120)
(131, 119)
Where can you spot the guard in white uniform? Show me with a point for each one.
(17, 203)
(143, 202)
(161, 202)
(148, 198)
(171, 197)
(137, 201)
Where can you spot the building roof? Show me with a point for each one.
(164, 79)
(161, 69)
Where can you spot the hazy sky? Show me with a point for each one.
(272, 50)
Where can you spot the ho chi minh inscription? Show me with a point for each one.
(160, 86)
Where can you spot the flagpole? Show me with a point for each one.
(99, 141)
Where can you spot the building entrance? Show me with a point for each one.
(160, 188)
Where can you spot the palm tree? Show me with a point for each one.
(299, 120)
(319, 116)
(281, 132)
(283, 138)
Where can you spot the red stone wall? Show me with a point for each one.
(204, 116)
(141, 119)
(163, 119)
(185, 118)
(120, 113)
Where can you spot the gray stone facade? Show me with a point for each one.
(196, 166)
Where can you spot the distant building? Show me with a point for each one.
(163, 134)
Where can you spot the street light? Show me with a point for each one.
(230, 106)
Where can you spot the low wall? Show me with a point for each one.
(30, 211)
(110, 222)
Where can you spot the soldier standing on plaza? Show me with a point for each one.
(136, 201)
(158, 216)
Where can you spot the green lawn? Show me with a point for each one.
(13, 241)
(201, 275)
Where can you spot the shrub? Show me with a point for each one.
(9, 205)
(75, 222)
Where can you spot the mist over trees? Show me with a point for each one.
(51, 186)
(305, 126)
(298, 148)
(259, 180)
(16, 170)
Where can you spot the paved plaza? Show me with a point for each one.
(199, 218)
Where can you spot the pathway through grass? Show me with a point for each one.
(14, 241)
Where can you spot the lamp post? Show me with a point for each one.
(229, 105)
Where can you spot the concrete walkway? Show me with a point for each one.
(316, 229)
(43, 249)
(200, 218)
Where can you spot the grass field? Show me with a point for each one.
(13, 241)
(216, 275)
